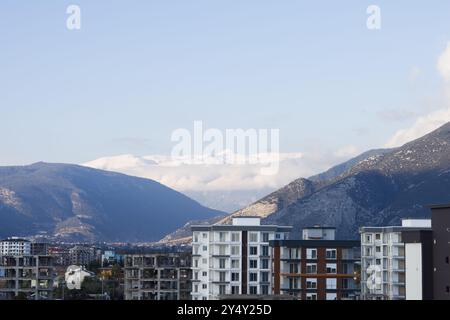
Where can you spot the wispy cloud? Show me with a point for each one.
(431, 121)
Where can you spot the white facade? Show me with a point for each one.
(385, 262)
(15, 247)
(413, 269)
(223, 256)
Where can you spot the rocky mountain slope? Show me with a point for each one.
(376, 188)
(71, 202)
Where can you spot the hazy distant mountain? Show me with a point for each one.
(78, 203)
(376, 188)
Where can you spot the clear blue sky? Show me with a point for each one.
(139, 69)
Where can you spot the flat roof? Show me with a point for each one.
(439, 206)
(391, 229)
(318, 227)
(315, 243)
(229, 227)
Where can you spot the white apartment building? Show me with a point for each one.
(233, 259)
(391, 260)
(15, 246)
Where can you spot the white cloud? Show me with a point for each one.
(426, 123)
(423, 125)
(226, 177)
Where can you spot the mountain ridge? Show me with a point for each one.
(72, 202)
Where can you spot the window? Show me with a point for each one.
(293, 253)
(204, 286)
(195, 275)
(235, 250)
(331, 283)
(222, 236)
(331, 296)
(221, 263)
(265, 264)
(204, 273)
(265, 250)
(311, 253)
(293, 268)
(264, 276)
(235, 276)
(235, 264)
(195, 237)
(253, 289)
(264, 289)
(311, 283)
(311, 268)
(204, 261)
(195, 249)
(265, 237)
(253, 264)
(331, 254)
(331, 268)
(196, 288)
(204, 298)
(196, 263)
(368, 238)
(311, 296)
(205, 248)
(222, 289)
(234, 289)
(205, 235)
(253, 237)
(446, 260)
(377, 249)
(293, 283)
(377, 236)
(253, 277)
(235, 237)
(222, 276)
(378, 262)
(253, 251)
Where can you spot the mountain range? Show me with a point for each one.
(379, 187)
(76, 203)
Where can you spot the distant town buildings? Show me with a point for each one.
(82, 255)
(26, 276)
(15, 246)
(391, 261)
(110, 257)
(161, 276)
(233, 259)
(317, 267)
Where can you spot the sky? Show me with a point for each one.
(138, 70)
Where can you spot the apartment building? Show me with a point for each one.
(157, 276)
(26, 276)
(15, 246)
(82, 255)
(233, 259)
(440, 220)
(318, 267)
(395, 261)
